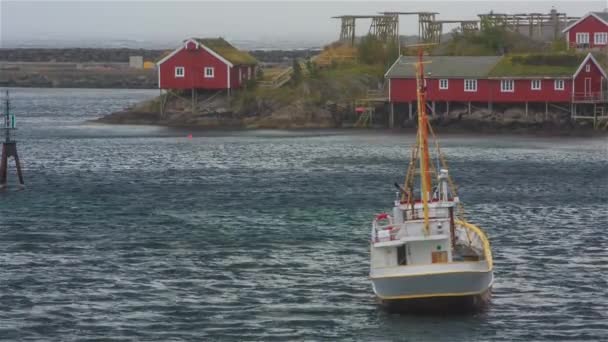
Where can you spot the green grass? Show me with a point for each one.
(228, 51)
(538, 65)
(352, 68)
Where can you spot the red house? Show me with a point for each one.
(590, 31)
(210, 63)
(567, 80)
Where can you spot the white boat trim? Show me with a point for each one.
(422, 270)
(431, 295)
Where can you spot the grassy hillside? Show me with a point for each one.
(341, 83)
(491, 42)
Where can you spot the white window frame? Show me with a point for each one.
(600, 38)
(559, 84)
(178, 73)
(536, 84)
(444, 84)
(588, 67)
(209, 75)
(582, 38)
(507, 86)
(470, 85)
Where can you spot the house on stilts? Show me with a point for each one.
(570, 82)
(205, 64)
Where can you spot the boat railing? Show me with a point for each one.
(478, 239)
(388, 232)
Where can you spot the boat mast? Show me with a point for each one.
(425, 177)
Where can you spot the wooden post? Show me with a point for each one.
(410, 112)
(490, 106)
(160, 97)
(546, 110)
(526, 109)
(433, 108)
(594, 115)
(447, 108)
(469, 107)
(571, 110)
(391, 119)
(192, 109)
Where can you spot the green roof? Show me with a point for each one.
(445, 66)
(531, 65)
(537, 65)
(229, 52)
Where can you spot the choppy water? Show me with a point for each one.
(137, 233)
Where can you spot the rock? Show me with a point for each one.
(513, 114)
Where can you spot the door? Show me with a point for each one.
(588, 87)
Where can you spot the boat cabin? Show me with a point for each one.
(403, 239)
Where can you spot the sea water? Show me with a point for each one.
(140, 233)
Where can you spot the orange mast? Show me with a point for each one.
(425, 177)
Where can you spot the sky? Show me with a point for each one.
(278, 23)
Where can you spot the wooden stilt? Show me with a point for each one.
(490, 106)
(447, 108)
(469, 108)
(410, 110)
(192, 107)
(433, 103)
(526, 109)
(160, 98)
(594, 115)
(546, 110)
(391, 119)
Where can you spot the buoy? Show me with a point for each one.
(189, 136)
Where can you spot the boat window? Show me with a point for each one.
(401, 255)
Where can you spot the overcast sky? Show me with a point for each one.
(167, 21)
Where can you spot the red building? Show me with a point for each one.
(486, 80)
(210, 63)
(589, 32)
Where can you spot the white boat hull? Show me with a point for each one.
(443, 292)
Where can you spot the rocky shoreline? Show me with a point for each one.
(298, 116)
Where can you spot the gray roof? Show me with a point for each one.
(603, 15)
(445, 66)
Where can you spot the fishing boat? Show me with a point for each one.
(425, 257)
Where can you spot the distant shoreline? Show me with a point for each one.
(464, 127)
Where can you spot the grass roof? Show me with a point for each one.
(226, 50)
(554, 65)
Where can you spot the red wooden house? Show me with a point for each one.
(589, 32)
(210, 63)
(488, 80)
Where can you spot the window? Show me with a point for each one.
(507, 86)
(209, 72)
(470, 85)
(588, 67)
(535, 84)
(600, 38)
(582, 38)
(559, 84)
(443, 84)
(179, 71)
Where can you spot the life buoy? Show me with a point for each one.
(382, 216)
